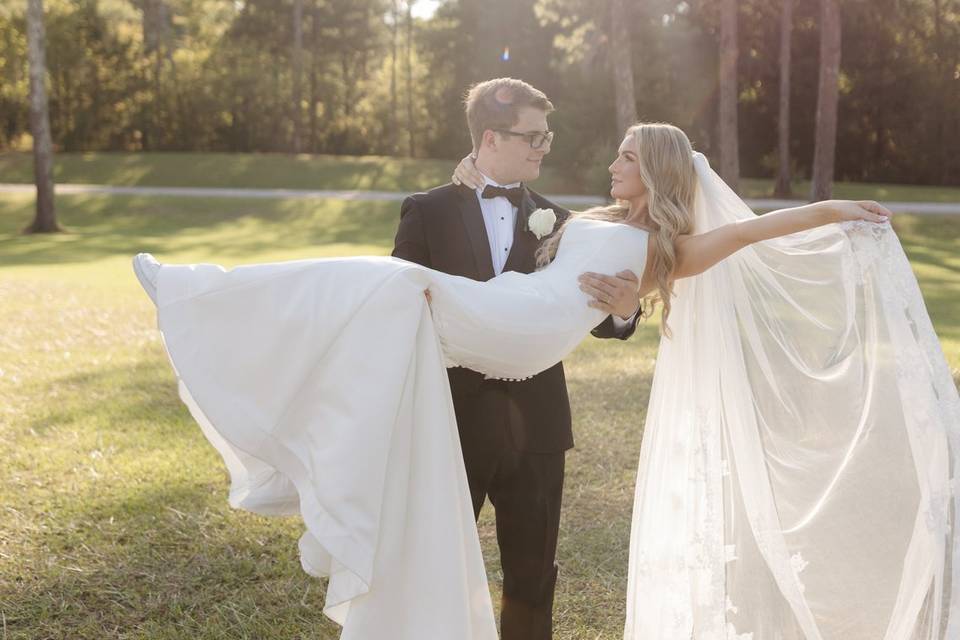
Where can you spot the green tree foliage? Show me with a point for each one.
(217, 75)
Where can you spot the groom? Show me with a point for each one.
(514, 435)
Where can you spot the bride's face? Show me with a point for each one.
(625, 180)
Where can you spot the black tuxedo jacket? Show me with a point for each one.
(443, 229)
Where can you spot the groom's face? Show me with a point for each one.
(512, 156)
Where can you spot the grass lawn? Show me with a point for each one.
(114, 516)
(376, 173)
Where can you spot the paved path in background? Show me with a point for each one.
(932, 208)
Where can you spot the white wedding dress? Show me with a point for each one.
(798, 477)
(798, 473)
(322, 383)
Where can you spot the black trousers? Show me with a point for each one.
(525, 490)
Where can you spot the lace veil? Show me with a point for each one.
(797, 475)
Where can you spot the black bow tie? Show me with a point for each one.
(513, 194)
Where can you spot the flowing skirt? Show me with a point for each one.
(325, 392)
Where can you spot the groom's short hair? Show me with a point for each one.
(496, 104)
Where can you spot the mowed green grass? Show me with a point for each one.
(375, 173)
(113, 514)
(242, 170)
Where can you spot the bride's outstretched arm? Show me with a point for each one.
(697, 253)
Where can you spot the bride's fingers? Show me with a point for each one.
(467, 173)
(874, 217)
(464, 178)
(876, 209)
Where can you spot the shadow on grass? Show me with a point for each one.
(122, 397)
(165, 562)
(931, 240)
(257, 170)
(99, 227)
(161, 556)
(150, 548)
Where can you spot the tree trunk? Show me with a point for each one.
(297, 74)
(410, 128)
(394, 116)
(152, 23)
(45, 220)
(729, 147)
(943, 83)
(157, 114)
(782, 187)
(824, 153)
(621, 62)
(348, 85)
(275, 131)
(314, 83)
(881, 71)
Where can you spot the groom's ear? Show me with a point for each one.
(488, 140)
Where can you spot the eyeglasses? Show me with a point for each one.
(535, 139)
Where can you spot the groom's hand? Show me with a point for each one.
(616, 295)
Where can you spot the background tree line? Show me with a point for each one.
(368, 77)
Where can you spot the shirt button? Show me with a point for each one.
(501, 217)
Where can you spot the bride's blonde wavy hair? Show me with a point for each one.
(666, 168)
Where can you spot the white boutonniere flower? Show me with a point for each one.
(541, 222)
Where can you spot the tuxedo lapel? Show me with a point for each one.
(522, 256)
(476, 232)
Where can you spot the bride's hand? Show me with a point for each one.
(467, 174)
(847, 210)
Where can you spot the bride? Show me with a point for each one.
(795, 475)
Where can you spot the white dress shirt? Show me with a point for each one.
(500, 218)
